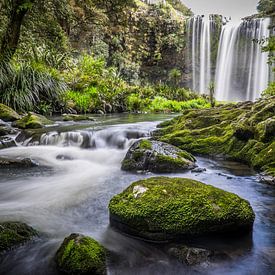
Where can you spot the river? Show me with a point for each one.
(79, 172)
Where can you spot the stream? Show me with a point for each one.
(79, 172)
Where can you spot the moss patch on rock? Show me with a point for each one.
(32, 121)
(73, 117)
(243, 132)
(163, 208)
(14, 233)
(8, 114)
(80, 254)
(155, 156)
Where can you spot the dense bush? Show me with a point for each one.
(270, 91)
(26, 86)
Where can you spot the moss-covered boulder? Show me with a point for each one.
(32, 121)
(14, 233)
(80, 254)
(155, 156)
(244, 132)
(163, 208)
(7, 162)
(8, 114)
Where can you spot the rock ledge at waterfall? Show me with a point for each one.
(163, 208)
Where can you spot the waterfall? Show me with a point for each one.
(242, 70)
(199, 30)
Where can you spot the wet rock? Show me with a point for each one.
(80, 254)
(8, 114)
(6, 142)
(265, 178)
(198, 170)
(7, 130)
(17, 162)
(155, 156)
(14, 233)
(32, 121)
(163, 208)
(74, 117)
(196, 256)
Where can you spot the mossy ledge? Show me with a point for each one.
(13, 234)
(244, 132)
(8, 114)
(162, 209)
(80, 254)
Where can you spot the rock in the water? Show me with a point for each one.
(16, 162)
(195, 256)
(74, 117)
(6, 142)
(14, 233)
(8, 114)
(163, 208)
(198, 170)
(156, 156)
(32, 121)
(80, 254)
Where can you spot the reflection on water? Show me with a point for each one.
(70, 191)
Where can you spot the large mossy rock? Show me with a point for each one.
(14, 233)
(244, 132)
(162, 208)
(32, 121)
(74, 117)
(155, 156)
(80, 254)
(8, 114)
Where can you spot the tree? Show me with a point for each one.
(211, 88)
(17, 9)
(266, 6)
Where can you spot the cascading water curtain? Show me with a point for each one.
(242, 71)
(199, 30)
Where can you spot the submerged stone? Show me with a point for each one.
(155, 156)
(7, 113)
(74, 117)
(163, 208)
(14, 233)
(80, 254)
(32, 121)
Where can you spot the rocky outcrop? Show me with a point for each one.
(8, 114)
(32, 121)
(162, 209)
(6, 142)
(80, 254)
(14, 233)
(244, 132)
(155, 156)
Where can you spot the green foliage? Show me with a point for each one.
(266, 6)
(270, 90)
(24, 86)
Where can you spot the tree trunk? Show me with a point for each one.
(11, 37)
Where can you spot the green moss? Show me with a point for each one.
(32, 121)
(145, 144)
(179, 206)
(244, 132)
(14, 233)
(8, 114)
(81, 255)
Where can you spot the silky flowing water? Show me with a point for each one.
(79, 172)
